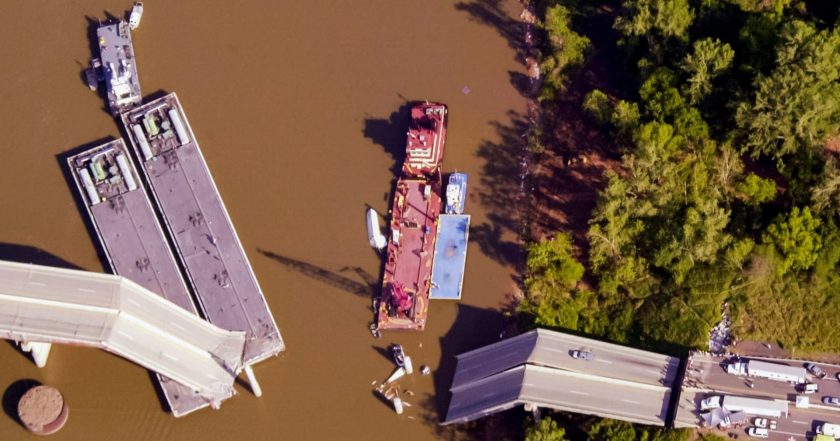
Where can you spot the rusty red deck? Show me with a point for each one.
(413, 228)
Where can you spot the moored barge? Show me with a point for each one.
(404, 301)
(132, 239)
(206, 243)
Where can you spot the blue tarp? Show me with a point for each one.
(450, 256)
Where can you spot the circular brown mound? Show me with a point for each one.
(42, 410)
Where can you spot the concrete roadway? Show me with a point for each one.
(610, 360)
(706, 377)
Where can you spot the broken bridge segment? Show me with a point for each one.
(54, 305)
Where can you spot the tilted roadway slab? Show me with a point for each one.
(561, 390)
(554, 349)
(53, 305)
(537, 368)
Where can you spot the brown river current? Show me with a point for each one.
(299, 108)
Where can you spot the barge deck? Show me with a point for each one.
(404, 301)
(206, 242)
(132, 239)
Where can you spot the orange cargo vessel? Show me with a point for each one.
(404, 301)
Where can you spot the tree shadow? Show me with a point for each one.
(13, 394)
(503, 192)
(389, 133)
(491, 13)
(328, 277)
(473, 327)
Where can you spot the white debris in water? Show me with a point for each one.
(425, 370)
(372, 383)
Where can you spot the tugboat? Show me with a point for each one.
(116, 65)
(404, 301)
(456, 193)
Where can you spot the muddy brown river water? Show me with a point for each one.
(299, 109)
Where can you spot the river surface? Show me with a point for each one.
(299, 107)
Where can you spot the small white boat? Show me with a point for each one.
(135, 16)
(375, 236)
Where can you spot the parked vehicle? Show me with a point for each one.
(831, 401)
(829, 429)
(815, 370)
(765, 423)
(709, 403)
(807, 388)
(758, 432)
(582, 355)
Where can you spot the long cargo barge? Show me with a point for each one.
(195, 217)
(451, 247)
(132, 239)
(404, 301)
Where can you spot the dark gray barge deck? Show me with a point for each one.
(195, 216)
(132, 238)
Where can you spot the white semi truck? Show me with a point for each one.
(763, 369)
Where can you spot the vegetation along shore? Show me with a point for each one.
(684, 160)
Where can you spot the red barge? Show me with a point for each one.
(404, 302)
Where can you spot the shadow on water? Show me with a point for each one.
(502, 193)
(13, 394)
(473, 328)
(493, 14)
(389, 133)
(331, 278)
(34, 255)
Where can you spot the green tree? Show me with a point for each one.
(567, 49)
(612, 430)
(597, 104)
(551, 261)
(668, 18)
(708, 59)
(797, 105)
(797, 238)
(755, 190)
(546, 430)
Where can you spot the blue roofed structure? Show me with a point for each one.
(450, 256)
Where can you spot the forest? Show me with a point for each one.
(722, 117)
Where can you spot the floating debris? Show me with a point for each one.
(466, 90)
(409, 393)
(396, 375)
(373, 383)
(411, 417)
(425, 370)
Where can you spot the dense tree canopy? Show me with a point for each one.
(726, 119)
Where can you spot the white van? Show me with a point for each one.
(829, 429)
